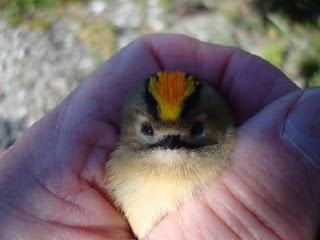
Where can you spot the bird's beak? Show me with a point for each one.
(172, 142)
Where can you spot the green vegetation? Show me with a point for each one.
(310, 61)
(303, 11)
(18, 10)
(275, 53)
(299, 23)
(310, 69)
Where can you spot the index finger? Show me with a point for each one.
(248, 82)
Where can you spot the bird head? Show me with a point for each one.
(174, 111)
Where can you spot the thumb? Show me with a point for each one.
(301, 130)
(275, 171)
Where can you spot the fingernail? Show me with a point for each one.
(302, 126)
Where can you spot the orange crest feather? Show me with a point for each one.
(170, 89)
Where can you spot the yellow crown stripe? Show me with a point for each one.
(170, 89)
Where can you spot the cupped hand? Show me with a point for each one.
(52, 178)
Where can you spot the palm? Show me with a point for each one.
(54, 187)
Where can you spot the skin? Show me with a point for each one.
(52, 178)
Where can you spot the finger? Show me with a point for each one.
(301, 130)
(270, 178)
(248, 82)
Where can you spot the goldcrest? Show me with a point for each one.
(177, 135)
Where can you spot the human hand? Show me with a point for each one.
(52, 178)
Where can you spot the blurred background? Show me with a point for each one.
(47, 47)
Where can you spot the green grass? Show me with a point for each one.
(309, 63)
(274, 52)
(18, 10)
(310, 69)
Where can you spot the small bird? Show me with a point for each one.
(177, 135)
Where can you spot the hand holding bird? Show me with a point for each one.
(52, 180)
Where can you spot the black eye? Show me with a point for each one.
(197, 129)
(146, 129)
